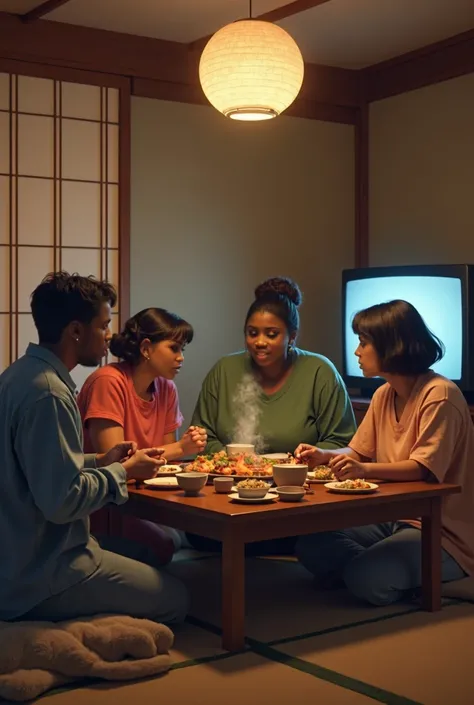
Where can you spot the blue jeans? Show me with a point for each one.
(378, 563)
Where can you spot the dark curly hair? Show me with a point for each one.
(401, 338)
(62, 298)
(280, 296)
(156, 324)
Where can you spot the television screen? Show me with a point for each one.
(439, 299)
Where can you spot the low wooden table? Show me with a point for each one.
(214, 516)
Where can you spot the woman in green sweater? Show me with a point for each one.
(274, 394)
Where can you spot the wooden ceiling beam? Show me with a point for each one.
(61, 44)
(292, 8)
(279, 13)
(41, 10)
(52, 43)
(441, 61)
(302, 107)
(171, 63)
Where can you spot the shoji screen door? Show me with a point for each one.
(64, 190)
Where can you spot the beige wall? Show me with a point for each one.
(217, 206)
(422, 175)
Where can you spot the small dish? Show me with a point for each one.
(336, 487)
(275, 456)
(253, 493)
(270, 489)
(290, 493)
(310, 478)
(239, 478)
(252, 489)
(161, 483)
(169, 470)
(269, 497)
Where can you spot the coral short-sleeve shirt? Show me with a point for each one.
(109, 394)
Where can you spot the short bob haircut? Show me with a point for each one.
(154, 324)
(401, 338)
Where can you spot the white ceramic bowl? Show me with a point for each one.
(192, 482)
(290, 493)
(254, 493)
(239, 448)
(286, 474)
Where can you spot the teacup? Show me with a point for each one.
(286, 474)
(192, 482)
(223, 485)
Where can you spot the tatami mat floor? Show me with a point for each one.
(303, 646)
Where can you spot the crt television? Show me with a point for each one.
(444, 296)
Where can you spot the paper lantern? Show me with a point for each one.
(251, 70)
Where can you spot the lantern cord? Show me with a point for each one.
(250, 9)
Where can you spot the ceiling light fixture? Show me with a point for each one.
(251, 69)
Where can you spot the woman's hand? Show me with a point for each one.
(194, 440)
(117, 454)
(144, 463)
(346, 467)
(311, 455)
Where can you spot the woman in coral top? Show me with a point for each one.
(137, 399)
(418, 427)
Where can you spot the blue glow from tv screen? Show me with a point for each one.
(438, 300)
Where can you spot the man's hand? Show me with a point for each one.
(346, 467)
(311, 455)
(144, 463)
(117, 454)
(194, 440)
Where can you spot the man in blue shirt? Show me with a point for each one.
(51, 568)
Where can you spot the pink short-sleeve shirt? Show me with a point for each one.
(436, 430)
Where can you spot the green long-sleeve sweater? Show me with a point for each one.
(312, 406)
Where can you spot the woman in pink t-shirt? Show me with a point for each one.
(417, 427)
(137, 399)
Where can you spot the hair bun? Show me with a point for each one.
(282, 286)
(131, 327)
(124, 347)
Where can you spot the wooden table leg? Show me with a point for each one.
(431, 557)
(233, 592)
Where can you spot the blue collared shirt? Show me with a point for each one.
(48, 488)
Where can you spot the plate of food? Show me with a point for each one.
(237, 466)
(269, 497)
(169, 470)
(253, 485)
(352, 487)
(321, 473)
(162, 483)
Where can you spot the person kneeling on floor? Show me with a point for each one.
(51, 568)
